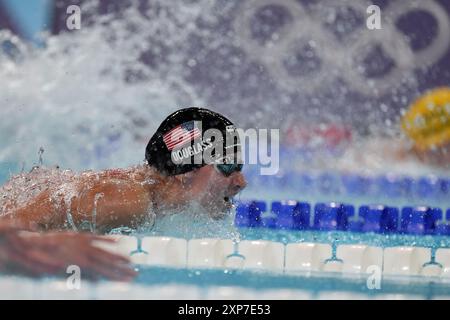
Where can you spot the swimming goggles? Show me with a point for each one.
(227, 169)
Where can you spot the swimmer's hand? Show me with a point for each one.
(36, 254)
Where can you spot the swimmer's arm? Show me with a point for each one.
(116, 202)
(39, 213)
(111, 203)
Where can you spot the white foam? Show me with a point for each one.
(72, 97)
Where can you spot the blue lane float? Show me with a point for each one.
(248, 214)
(333, 216)
(379, 218)
(442, 228)
(419, 220)
(389, 185)
(291, 215)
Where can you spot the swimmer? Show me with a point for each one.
(101, 201)
(424, 139)
(427, 124)
(35, 254)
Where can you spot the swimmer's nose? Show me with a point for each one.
(238, 182)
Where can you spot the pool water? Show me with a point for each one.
(225, 282)
(265, 281)
(131, 70)
(314, 285)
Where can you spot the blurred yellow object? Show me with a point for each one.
(427, 122)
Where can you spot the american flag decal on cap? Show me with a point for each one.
(181, 134)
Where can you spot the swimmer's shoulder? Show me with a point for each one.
(142, 174)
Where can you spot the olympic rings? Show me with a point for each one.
(339, 57)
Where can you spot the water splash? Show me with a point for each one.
(193, 222)
(87, 97)
(93, 97)
(24, 187)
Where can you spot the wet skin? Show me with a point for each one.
(121, 197)
(126, 197)
(35, 254)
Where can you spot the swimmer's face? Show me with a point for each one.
(213, 190)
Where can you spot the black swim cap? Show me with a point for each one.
(180, 140)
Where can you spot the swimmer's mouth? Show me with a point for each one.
(223, 208)
(228, 202)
